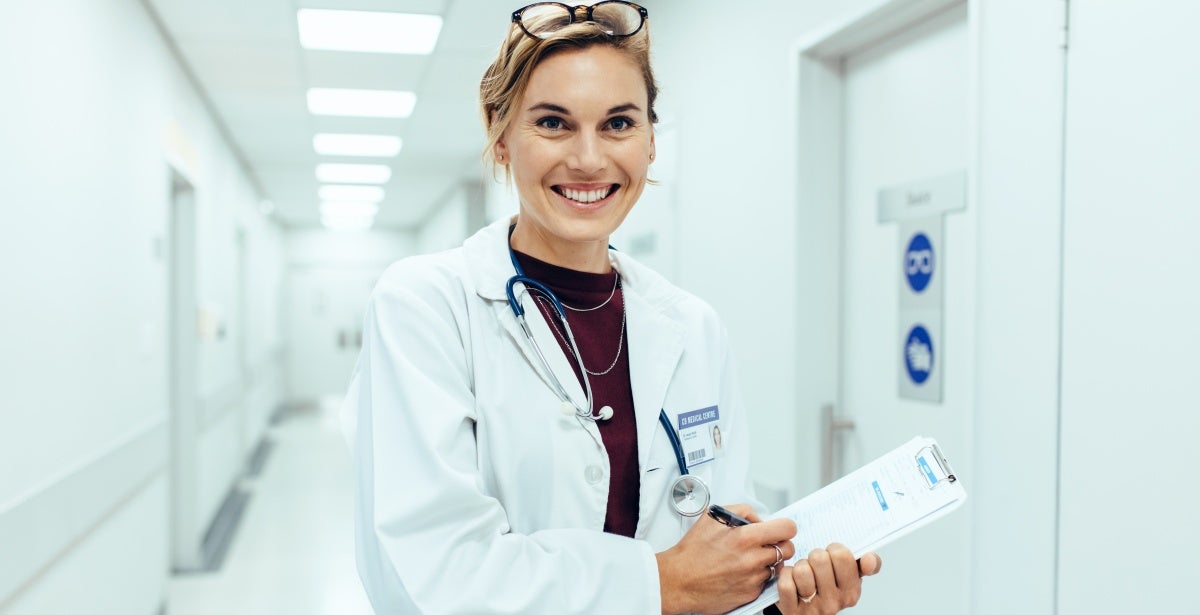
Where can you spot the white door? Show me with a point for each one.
(1128, 536)
(325, 311)
(906, 108)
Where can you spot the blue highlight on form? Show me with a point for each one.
(879, 495)
(928, 471)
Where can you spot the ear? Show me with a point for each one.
(500, 152)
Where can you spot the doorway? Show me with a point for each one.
(887, 100)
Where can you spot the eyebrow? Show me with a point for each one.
(557, 109)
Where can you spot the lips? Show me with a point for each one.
(587, 195)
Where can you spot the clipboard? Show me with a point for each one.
(905, 489)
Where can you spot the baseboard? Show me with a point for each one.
(295, 409)
(71, 505)
(220, 533)
(258, 458)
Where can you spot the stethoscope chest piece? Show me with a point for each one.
(689, 496)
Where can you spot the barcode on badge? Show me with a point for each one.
(697, 454)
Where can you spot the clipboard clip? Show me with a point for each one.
(938, 471)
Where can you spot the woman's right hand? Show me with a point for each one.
(715, 568)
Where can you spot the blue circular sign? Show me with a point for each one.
(918, 354)
(918, 262)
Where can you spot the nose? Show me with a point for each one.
(587, 155)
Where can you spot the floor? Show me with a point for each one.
(293, 553)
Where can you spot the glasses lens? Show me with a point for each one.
(617, 18)
(543, 19)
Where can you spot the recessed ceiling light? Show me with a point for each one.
(353, 173)
(382, 146)
(368, 31)
(370, 194)
(362, 103)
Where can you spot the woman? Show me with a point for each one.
(530, 411)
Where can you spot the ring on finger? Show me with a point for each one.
(778, 556)
(809, 598)
(774, 573)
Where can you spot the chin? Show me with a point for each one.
(586, 230)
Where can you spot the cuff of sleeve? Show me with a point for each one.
(654, 597)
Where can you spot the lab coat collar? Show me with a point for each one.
(656, 335)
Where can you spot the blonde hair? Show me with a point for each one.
(504, 82)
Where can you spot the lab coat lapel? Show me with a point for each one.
(490, 268)
(554, 355)
(655, 344)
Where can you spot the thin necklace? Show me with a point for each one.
(620, 338)
(616, 281)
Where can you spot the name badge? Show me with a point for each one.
(696, 435)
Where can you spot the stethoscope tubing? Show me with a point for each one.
(686, 482)
(676, 445)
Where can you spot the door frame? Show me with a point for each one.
(817, 76)
(186, 533)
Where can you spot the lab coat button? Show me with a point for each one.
(594, 474)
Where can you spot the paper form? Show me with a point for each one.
(872, 506)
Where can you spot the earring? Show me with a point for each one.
(651, 156)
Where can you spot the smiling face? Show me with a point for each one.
(578, 147)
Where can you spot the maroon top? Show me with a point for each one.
(599, 334)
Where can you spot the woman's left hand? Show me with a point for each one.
(830, 579)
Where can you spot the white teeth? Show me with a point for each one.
(585, 196)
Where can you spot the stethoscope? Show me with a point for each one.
(689, 495)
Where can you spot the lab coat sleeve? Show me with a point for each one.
(429, 539)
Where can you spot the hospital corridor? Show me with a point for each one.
(351, 307)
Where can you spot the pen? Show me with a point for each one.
(724, 516)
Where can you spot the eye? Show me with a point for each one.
(620, 123)
(551, 122)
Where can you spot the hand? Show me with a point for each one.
(715, 568)
(830, 578)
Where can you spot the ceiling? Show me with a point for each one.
(246, 57)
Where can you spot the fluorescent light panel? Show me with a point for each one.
(374, 32)
(361, 103)
(329, 173)
(370, 194)
(381, 146)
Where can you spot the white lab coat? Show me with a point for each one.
(475, 493)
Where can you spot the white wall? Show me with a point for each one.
(376, 248)
(95, 111)
(501, 197)
(729, 94)
(446, 227)
(1020, 159)
(1131, 301)
(468, 206)
(329, 278)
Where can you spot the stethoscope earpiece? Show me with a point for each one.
(606, 413)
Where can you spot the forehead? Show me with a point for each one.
(598, 77)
